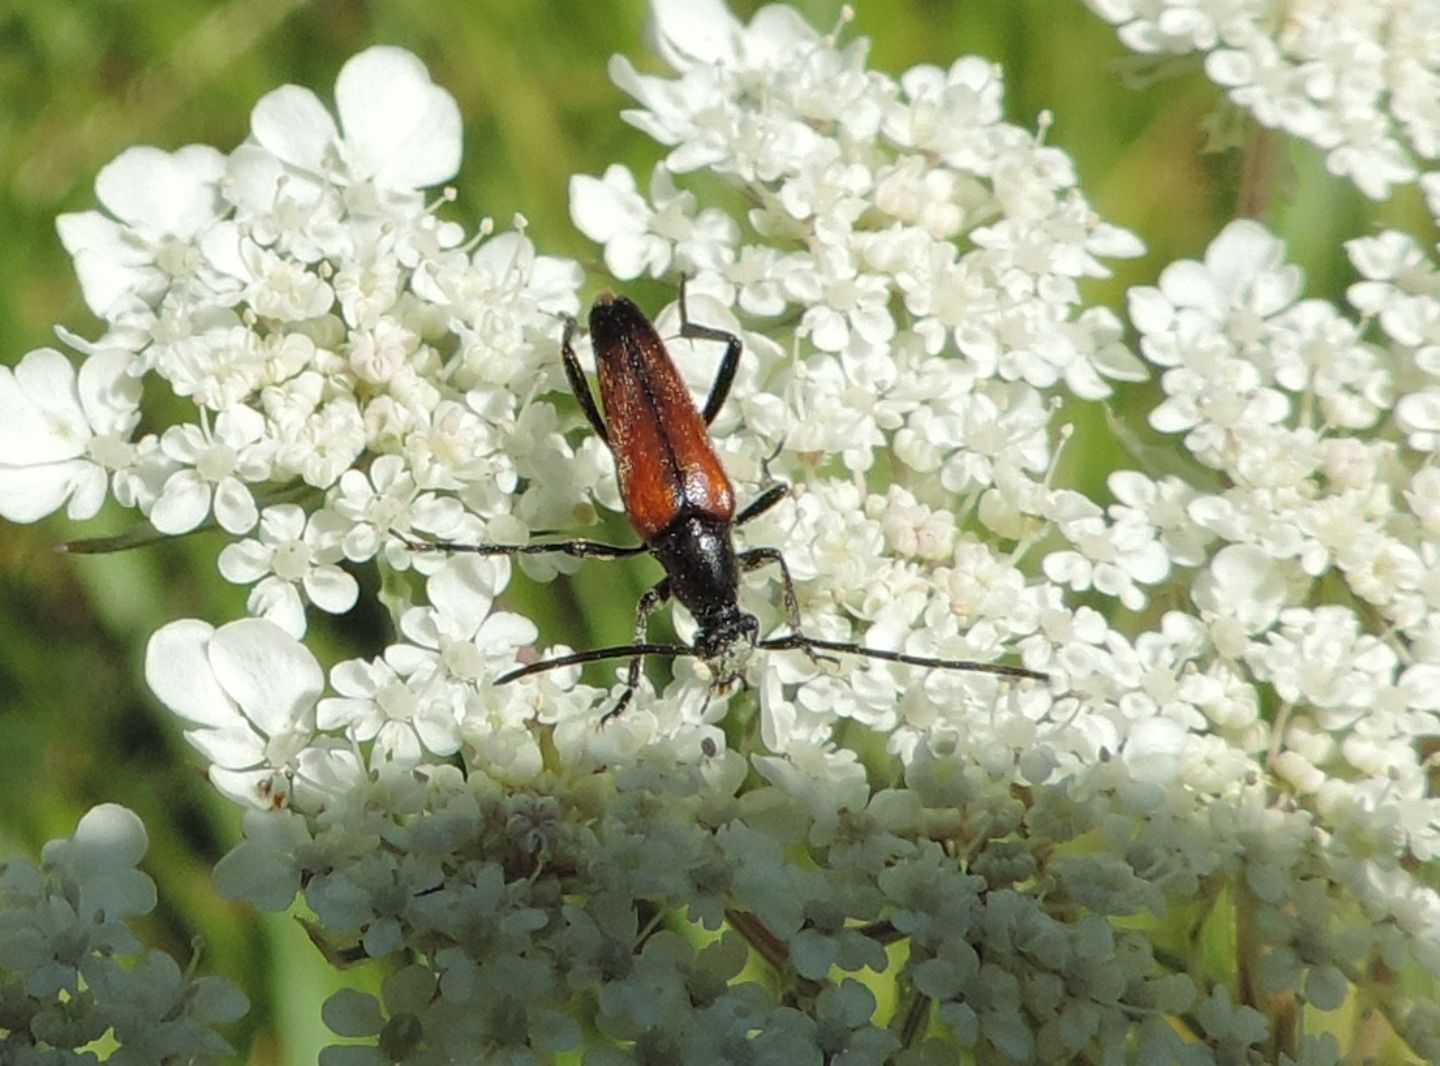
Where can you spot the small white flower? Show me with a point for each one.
(1242, 281)
(163, 205)
(503, 302)
(610, 211)
(100, 862)
(291, 210)
(219, 366)
(291, 556)
(62, 435)
(1163, 504)
(385, 501)
(214, 470)
(376, 704)
(248, 690)
(1113, 558)
(76, 969)
(446, 636)
(279, 287)
(1320, 657)
(316, 440)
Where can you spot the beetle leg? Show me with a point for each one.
(652, 601)
(762, 503)
(728, 362)
(765, 463)
(578, 385)
(758, 557)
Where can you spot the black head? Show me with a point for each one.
(725, 642)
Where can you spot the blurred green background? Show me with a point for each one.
(81, 81)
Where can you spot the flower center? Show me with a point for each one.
(396, 702)
(292, 560)
(110, 451)
(216, 462)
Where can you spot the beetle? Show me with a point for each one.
(681, 503)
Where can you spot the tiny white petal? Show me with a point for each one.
(183, 504)
(245, 562)
(29, 493)
(235, 508)
(331, 589)
(278, 601)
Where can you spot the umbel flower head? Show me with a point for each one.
(74, 971)
(1242, 653)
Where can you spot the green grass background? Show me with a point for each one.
(79, 82)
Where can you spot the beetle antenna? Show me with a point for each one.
(595, 655)
(800, 642)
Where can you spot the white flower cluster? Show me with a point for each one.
(650, 895)
(906, 275)
(329, 332)
(1323, 583)
(1360, 81)
(73, 973)
(631, 904)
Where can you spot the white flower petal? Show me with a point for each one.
(397, 741)
(236, 747)
(256, 180)
(29, 493)
(439, 733)
(110, 836)
(245, 562)
(178, 672)
(283, 522)
(338, 713)
(272, 676)
(163, 193)
(1187, 283)
(688, 33)
(92, 231)
(245, 787)
(505, 630)
(111, 290)
(183, 504)
(331, 589)
(1153, 749)
(404, 127)
(109, 393)
(235, 508)
(463, 590)
(41, 420)
(292, 123)
(603, 209)
(87, 484)
(278, 601)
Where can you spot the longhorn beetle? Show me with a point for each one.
(681, 502)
